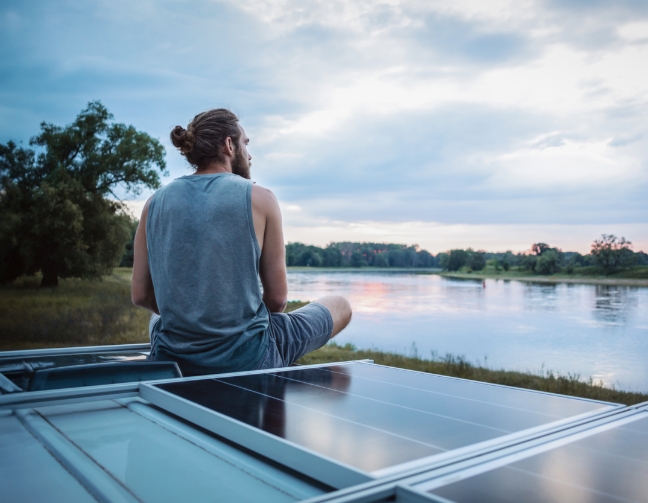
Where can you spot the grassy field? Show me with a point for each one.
(76, 313)
(458, 367)
(82, 313)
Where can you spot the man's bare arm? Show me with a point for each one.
(142, 292)
(269, 232)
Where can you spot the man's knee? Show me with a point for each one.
(340, 310)
(345, 311)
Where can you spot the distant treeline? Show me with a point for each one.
(347, 254)
(609, 254)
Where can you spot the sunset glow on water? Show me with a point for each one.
(598, 331)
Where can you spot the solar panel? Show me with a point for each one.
(347, 423)
(606, 464)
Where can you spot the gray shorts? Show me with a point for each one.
(290, 336)
(294, 334)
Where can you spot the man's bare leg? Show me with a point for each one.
(340, 310)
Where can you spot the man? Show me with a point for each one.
(202, 244)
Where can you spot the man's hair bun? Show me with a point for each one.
(182, 139)
(203, 140)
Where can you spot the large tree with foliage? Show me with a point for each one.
(57, 217)
(612, 254)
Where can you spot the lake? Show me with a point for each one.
(590, 330)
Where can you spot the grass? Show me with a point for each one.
(88, 313)
(76, 313)
(457, 366)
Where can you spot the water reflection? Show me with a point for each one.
(598, 331)
(612, 303)
(540, 297)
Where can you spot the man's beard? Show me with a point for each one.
(241, 165)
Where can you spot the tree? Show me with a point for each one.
(293, 251)
(347, 254)
(129, 257)
(545, 259)
(357, 260)
(457, 259)
(424, 259)
(641, 258)
(548, 262)
(477, 260)
(310, 258)
(57, 217)
(529, 262)
(332, 256)
(442, 260)
(612, 254)
(573, 260)
(397, 256)
(381, 260)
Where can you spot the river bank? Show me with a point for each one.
(454, 366)
(412, 270)
(481, 275)
(552, 280)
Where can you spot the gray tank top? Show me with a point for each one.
(204, 260)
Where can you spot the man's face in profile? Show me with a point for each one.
(242, 161)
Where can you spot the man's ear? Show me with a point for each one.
(229, 146)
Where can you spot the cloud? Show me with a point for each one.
(439, 237)
(464, 113)
(416, 165)
(457, 41)
(625, 140)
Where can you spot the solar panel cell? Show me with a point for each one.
(477, 394)
(609, 466)
(449, 420)
(374, 418)
(311, 420)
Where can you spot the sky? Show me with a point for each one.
(490, 124)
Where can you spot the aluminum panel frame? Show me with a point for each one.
(28, 400)
(64, 396)
(262, 371)
(35, 353)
